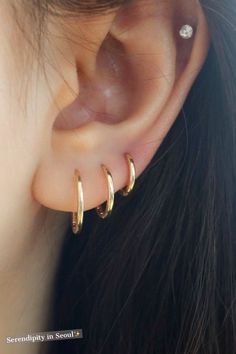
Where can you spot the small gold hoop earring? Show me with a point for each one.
(77, 216)
(132, 176)
(104, 212)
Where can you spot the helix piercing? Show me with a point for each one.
(104, 212)
(132, 176)
(186, 31)
(77, 216)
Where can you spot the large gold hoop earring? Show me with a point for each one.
(77, 216)
(102, 211)
(132, 177)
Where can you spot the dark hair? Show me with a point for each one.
(159, 276)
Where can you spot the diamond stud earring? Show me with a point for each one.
(186, 31)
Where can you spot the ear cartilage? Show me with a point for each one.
(186, 31)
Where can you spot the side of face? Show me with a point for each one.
(100, 87)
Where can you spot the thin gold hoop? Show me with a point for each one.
(132, 177)
(77, 216)
(102, 211)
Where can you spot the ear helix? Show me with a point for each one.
(102, 211)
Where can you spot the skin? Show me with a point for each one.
(49, 126)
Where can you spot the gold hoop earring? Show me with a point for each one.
(77, 216)
(104, 212)
(132, 177)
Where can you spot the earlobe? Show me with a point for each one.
(126, 104)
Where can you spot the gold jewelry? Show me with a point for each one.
(132, 176)
(77, 216)
(101, 211)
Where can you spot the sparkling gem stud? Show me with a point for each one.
(186, 31)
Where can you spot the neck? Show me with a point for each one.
(27, 271)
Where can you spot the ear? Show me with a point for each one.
(134, 72)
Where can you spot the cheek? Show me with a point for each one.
(27, 112)
(15, 148)
(23, 108)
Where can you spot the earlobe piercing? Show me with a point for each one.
(101, 211)
(186, 31)
(132, 177)
(77, 216)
